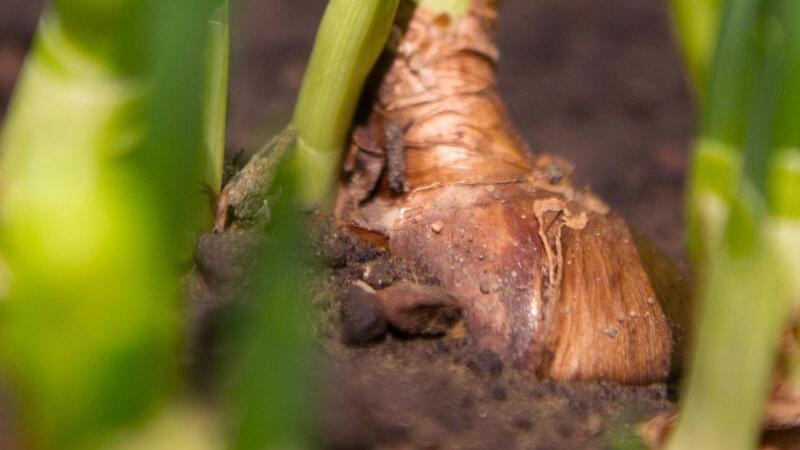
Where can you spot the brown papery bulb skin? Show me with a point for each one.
(546, 275)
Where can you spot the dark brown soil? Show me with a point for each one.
(387, 389)
(596, 82)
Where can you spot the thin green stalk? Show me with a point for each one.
(784, 171)
(350, 38)
(697, 24)
(718, 157)
(734, 74)
(217, 95)
(743, 307)
(745, 298)
(783, 184)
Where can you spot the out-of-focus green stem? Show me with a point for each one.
(746, 257)
(783, 183)
(697, 23)
(172, 156)
(733, 75)
(713, 181)
(718, 160)
(744, 302)
(718, 157)
(784, 171)
(271, 376)
(101, 158)
(350, 38)
(217, 94)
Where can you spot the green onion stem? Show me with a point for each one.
(783, 183)
(217, 95)
(697, 23)
(351, 36)
(718, 158)
(743, 306)
(784, 172)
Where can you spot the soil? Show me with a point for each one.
(389, 389)
(598, 83)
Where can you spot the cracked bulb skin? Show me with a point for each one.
(547, 276)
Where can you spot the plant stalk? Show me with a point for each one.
(351, 36)
(217, 95)
(696, 24)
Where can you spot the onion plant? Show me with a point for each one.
(216, 95)
(101, 179)
(350, 38)
(744, 218)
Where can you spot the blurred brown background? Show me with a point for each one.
(598, 82)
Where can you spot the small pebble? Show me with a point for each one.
(437, 227)
(612, 331)
(485, 287)
(362, 319)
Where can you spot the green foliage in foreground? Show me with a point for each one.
(100, 179)
(269, 332)
(744, 221)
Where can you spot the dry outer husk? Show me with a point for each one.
(545, 273)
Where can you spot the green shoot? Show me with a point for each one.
(351, 36)
(743, 304)
(697, 22)
(718, 158)
(784, 171)
(217, 95)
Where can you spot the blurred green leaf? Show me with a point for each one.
(101, 173)
(270, 343)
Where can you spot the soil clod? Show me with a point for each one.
(419, 310)
(486, 363)
(362, 319)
